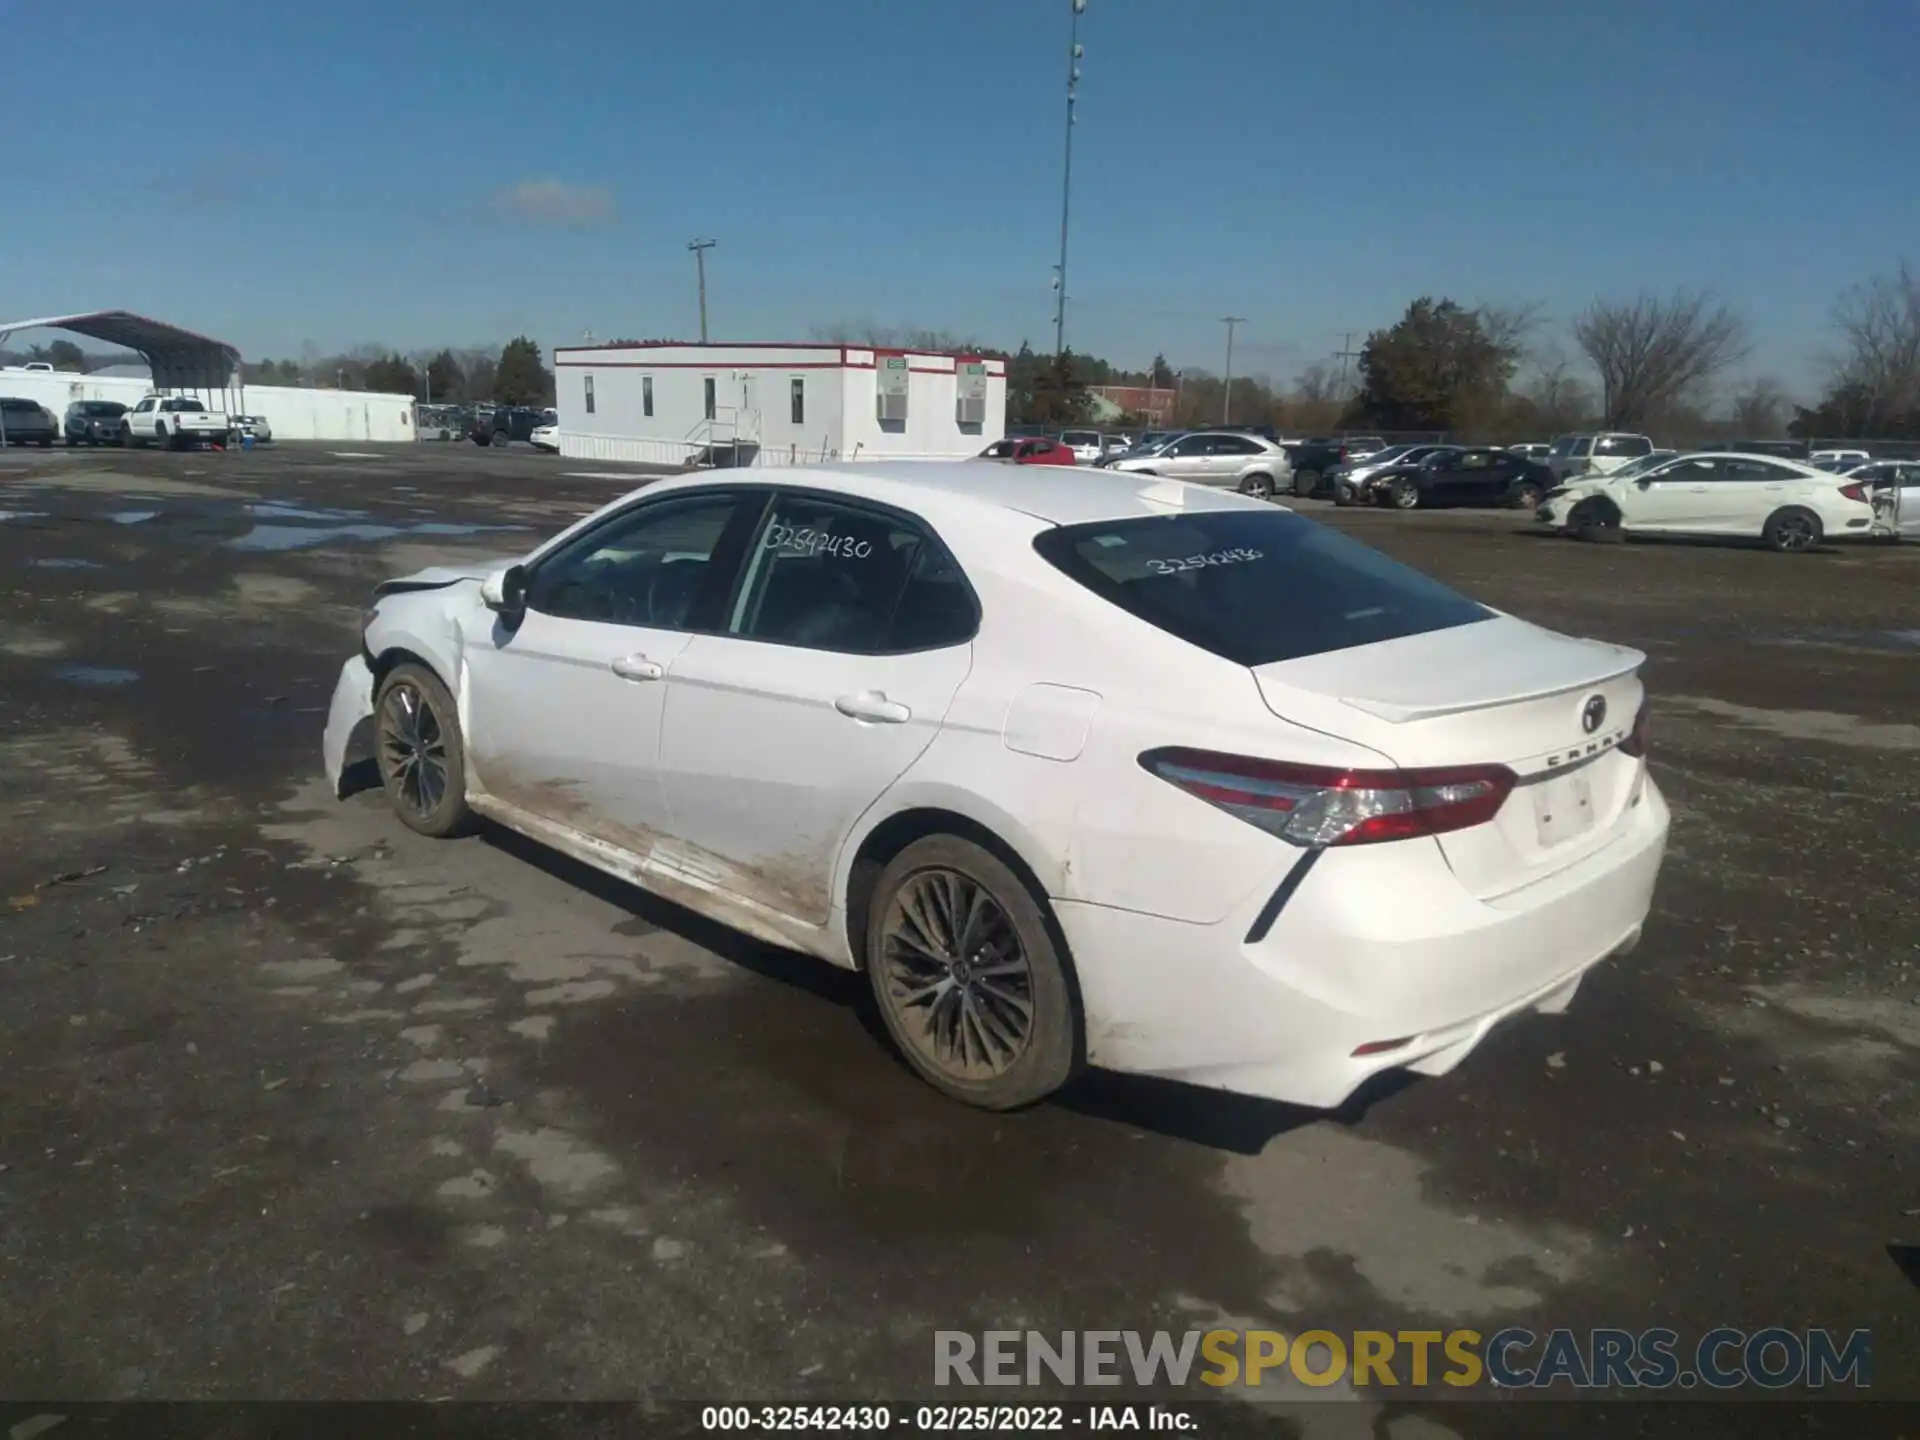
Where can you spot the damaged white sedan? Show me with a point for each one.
(1077, 767)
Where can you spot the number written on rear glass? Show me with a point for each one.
(802, 540)
(1200, 562)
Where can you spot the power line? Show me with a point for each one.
(699, 249)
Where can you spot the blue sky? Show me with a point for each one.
(422, 172)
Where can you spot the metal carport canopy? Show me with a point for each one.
(179, 359)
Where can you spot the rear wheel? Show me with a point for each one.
(1258, 485)
(1792, 530)
(967, 977)
(422, 757)
(1306, 483)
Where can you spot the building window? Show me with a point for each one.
(646, 395)
(590, 394)
(799, 386)
(710, 388)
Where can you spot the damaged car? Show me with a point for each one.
(1080, 768)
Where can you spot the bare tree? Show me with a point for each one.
(1880, 321)
(1511, 326)
(1654, 353)
(1318, 384)
(1560, 400)
(1759, 409)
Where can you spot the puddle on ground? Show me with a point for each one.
(65, 562)
(95, 674)
(132, 517)
(305, 537)
(1873, 639)
(273, 510)
(6, 515)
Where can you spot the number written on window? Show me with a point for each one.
(1201, 562)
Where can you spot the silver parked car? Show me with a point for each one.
(1251, 464)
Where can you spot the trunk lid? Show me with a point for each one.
(1551, 708)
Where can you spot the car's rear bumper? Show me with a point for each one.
(1369, 950)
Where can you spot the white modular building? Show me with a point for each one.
(668, 403)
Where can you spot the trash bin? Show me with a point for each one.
(246, 439)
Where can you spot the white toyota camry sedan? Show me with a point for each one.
(1078, 767)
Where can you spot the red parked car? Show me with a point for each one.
(1029, 451)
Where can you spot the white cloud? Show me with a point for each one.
(555, 202)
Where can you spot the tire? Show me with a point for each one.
(1306, 484)
(994, 1064)
(1597, 521)
(422, 757)
(1404, 495)
(1526, 496)
(1792, 530)
(1258, 485)
(501, 438)
(126, 437)
(71, 442)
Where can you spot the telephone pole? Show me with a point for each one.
(1345, 353)
(1074, 55)
(1226, 396)
(699, 249)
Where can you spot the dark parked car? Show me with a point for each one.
(1477, 475)
(1353, 482)
(94, 422)
(1314, 462)
(26, 422)
(499, 424)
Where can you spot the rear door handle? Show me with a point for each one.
(873, 706)
(638, 667)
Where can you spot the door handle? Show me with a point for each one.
(638, 667)
(872, 705)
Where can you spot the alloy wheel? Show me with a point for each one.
(1793, 532)
(957, 978)
(414, 748)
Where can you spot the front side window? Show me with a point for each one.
(1254, 587)
(711, 387)
(826, 575)
(652, 566)
(589, 394)
(646, 395)
(798, 388)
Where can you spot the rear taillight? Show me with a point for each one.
(1315, 806)
(1636, 742)
(1856, 491)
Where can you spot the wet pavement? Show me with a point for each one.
(296, 1103)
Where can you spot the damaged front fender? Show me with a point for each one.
(352, 708)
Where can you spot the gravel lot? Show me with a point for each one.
(294, 1103)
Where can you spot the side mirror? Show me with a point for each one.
(505, 591)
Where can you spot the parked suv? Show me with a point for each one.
(26, 422)
(1575, 455)
(93, 422)
(1248, 463)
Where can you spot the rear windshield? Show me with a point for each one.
(1253, 586)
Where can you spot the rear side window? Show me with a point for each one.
(825, 575)
(1254, 587)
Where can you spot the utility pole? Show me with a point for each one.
(1226, 395)
(1345, 353)
(1074, 54)
(699, 249)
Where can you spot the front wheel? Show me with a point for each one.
(1792, 530)
(1258, 486)
(423, 760)
(967, 977)
(1595, 520)
(1405, 495)
(1526, 496)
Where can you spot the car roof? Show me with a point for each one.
(1056, 494)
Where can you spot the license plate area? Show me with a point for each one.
(1562, 808)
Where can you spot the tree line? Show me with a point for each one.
(1660, 363)
(513, 375)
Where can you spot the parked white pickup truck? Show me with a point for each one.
(172, 420)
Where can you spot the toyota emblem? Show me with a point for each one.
(1594, 714)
